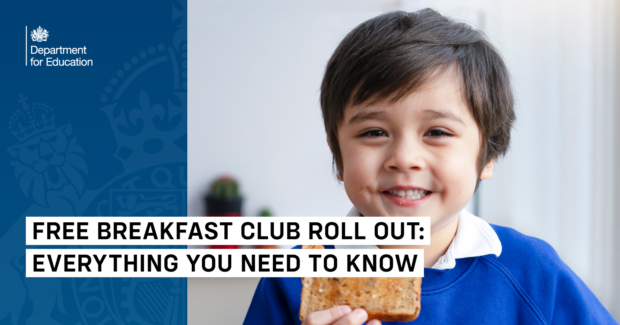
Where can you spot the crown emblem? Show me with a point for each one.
(28, 121)
(39, 35)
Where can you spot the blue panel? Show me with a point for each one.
(105, 139)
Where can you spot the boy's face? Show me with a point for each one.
(416, 157)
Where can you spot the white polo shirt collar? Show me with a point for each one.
(474, 237)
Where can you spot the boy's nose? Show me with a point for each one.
(405, 156)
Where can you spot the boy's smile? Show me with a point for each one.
(415, 157)
(407, 195)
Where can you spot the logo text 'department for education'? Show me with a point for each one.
(40, 35)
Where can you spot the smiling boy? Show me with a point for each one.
(414, 157)
(417, 110)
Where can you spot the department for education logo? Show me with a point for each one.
(39, 35)
(52, 55)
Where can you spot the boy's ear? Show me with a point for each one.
(487, 172)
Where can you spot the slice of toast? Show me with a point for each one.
(384, 299)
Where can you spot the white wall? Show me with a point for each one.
(219, 301)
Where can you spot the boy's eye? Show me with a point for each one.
(437, 133)
(373, 134)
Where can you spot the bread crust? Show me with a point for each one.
(308, 301)
(305, 291)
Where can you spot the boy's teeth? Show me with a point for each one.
(409, 194)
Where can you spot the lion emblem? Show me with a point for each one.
(46, 158)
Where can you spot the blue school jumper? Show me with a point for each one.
(527, 284)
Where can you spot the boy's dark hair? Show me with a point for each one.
(391, 55)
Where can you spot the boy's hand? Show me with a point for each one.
(339, 315)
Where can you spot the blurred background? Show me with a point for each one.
(254, 115)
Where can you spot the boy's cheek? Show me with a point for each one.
(360, 164)
(357, 185)
(456, 166)
(359, 197)
(360, 184)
